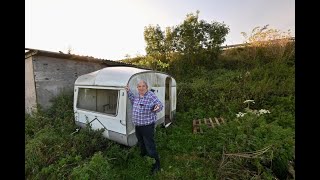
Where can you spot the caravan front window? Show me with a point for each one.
(99, 100)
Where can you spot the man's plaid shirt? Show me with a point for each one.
(142, 108)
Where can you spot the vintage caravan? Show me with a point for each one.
(100, 99)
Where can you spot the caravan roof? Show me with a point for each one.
(109, 76)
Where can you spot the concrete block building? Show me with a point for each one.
(49, 73)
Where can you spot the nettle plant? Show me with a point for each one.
(252, 111)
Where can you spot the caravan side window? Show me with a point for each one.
(99, 100)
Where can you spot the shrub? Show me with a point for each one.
(97, 168)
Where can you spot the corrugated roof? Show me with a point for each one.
(31, 52)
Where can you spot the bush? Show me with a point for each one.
(50, 144)
(97, 168)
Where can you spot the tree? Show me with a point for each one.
(199, 39)
(195, 41)
(154, 38)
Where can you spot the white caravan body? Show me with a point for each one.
(100, 99)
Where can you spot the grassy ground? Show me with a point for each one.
(255, 146)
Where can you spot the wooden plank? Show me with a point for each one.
(211, 122)
(194, 130)
(194, 122)
(200, 126)
(206, 122)
(217, 121)
(196, 126)
(197, 129)
(222, 120)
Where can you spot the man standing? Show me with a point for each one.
(145, 107)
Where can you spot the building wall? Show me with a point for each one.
(30, 91)
(55, 75)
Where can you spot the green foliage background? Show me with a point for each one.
(216, 88)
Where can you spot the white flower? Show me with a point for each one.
(247, 74)
(247, 101)
(240, 114)
(263, 111)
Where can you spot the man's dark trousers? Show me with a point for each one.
(145, 136)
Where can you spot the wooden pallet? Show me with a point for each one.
(196, 127)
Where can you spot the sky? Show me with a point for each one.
(113, 29)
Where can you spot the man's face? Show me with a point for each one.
(142, 88)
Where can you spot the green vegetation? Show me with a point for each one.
(256, 142)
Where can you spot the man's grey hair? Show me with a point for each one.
(144, 82)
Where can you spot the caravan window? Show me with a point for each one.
(99, 100)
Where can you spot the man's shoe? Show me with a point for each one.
(155, 168)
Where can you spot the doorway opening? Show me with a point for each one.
(168, 102)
